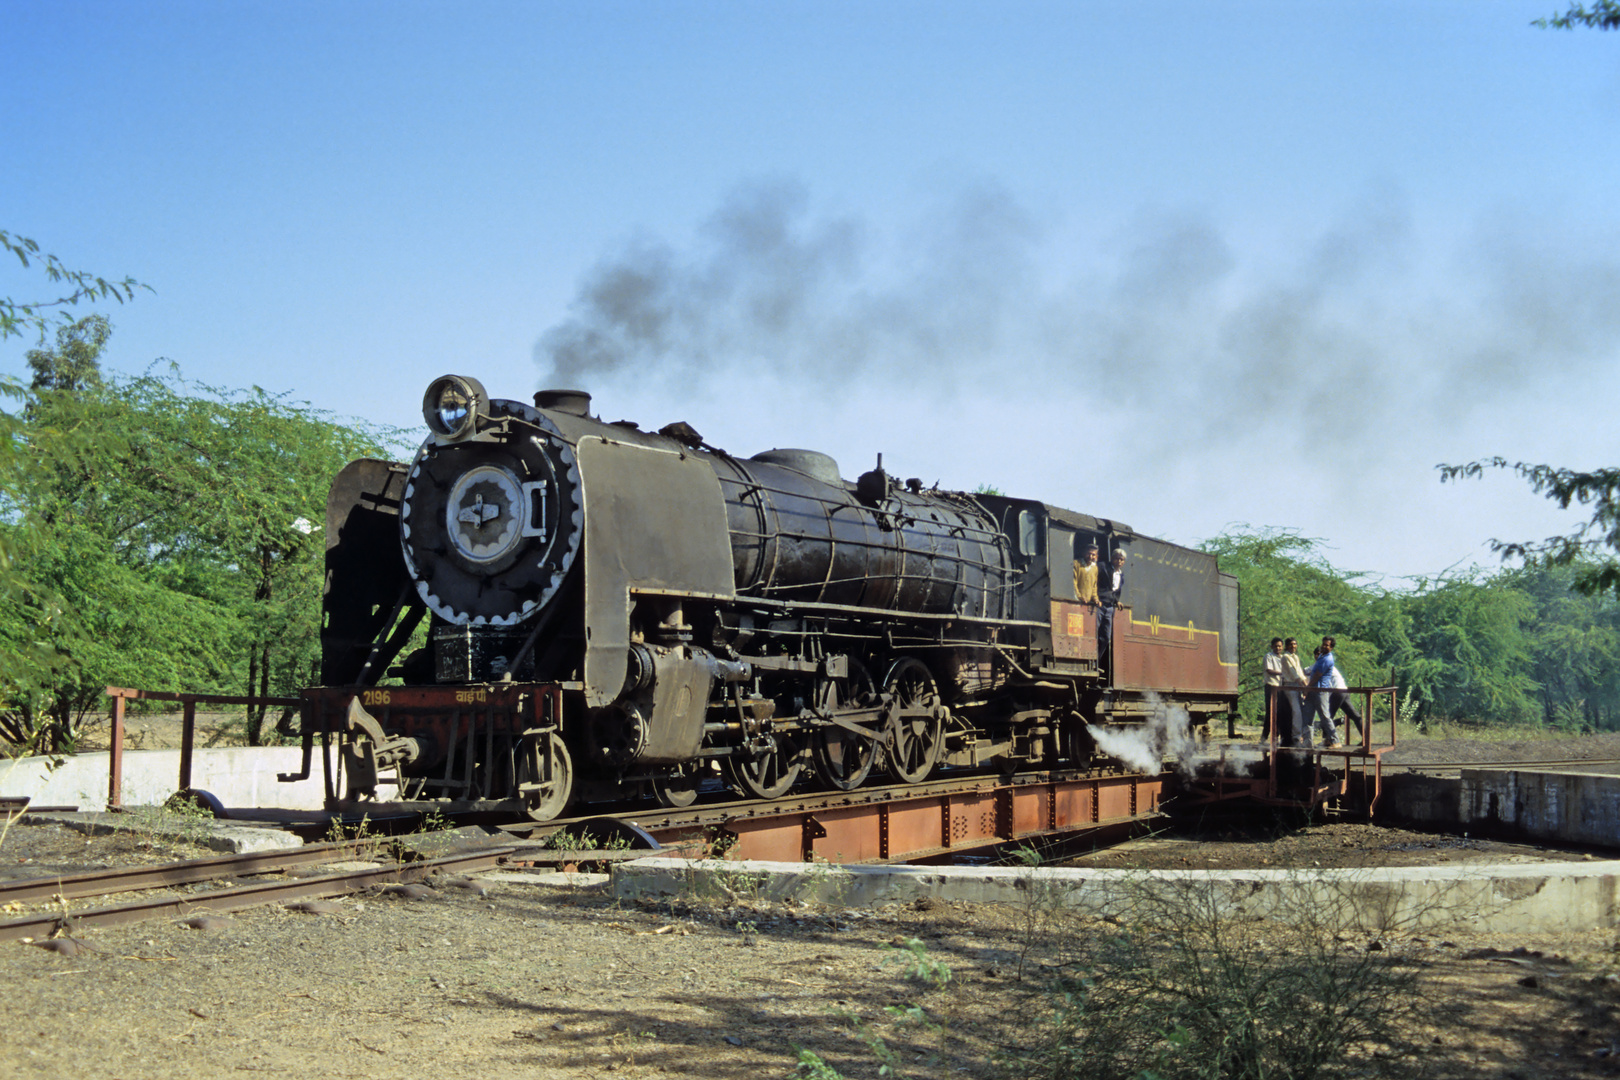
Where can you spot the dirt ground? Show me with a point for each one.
(540, 981)
(163, 730)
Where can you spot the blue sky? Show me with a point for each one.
(1182, 264)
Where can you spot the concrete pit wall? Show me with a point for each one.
(237, 776)
(1574, 806)
(1540, 897)
(1556, 806)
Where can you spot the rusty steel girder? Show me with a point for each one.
(922, 821)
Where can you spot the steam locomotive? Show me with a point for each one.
(542, 610)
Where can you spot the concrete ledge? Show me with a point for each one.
(1549, 897)
(555, 878)
(236, 775)
(1425, 801)
(229, 839)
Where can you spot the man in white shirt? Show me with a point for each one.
(1272, 668)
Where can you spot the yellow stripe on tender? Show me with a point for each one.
(1153, 628)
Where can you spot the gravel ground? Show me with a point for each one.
(562, 982)
(538, 981)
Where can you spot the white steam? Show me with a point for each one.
(1167, 735)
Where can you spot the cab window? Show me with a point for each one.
(1029, 533)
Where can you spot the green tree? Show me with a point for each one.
(1574, 643)
(1289, 589)
(22, 451)
(81, 286)
(1592, 547)
(1599, 15)
(170, 539)
(1461, 651)
(75, 363)
(1463, 647)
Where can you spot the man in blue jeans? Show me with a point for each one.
(1319, 693)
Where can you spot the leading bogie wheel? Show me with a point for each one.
(546, 785)
(678, 788)
(768, 774)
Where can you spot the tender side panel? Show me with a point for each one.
(654, 520)
(1171, 632)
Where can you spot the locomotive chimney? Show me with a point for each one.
(573, 402)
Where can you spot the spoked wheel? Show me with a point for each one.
(767, 775)
(678, 788)
(844, 758)
(915, 742)
(546, 775)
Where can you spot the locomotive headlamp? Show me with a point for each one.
(452, 406)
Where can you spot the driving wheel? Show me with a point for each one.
(916, 730)
(844, 757)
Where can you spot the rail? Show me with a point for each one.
(245, 896)
(90, 883)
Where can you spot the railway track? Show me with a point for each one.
(191, 871)
(98, 883)
(866, 825)
(870, 824)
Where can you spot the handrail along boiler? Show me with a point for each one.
(613, 613)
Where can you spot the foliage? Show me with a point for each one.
(811, 1067)
(918, 965)
(1598, 15)
(163, 535)
(1591, 546)
(82, 342)
(1173, 986)
(890, 1061)
(1462, 650)
(17, 316)
(1523, 646)
(75, 362)
(1574, 644)
(1288, 589)
(178, 819)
